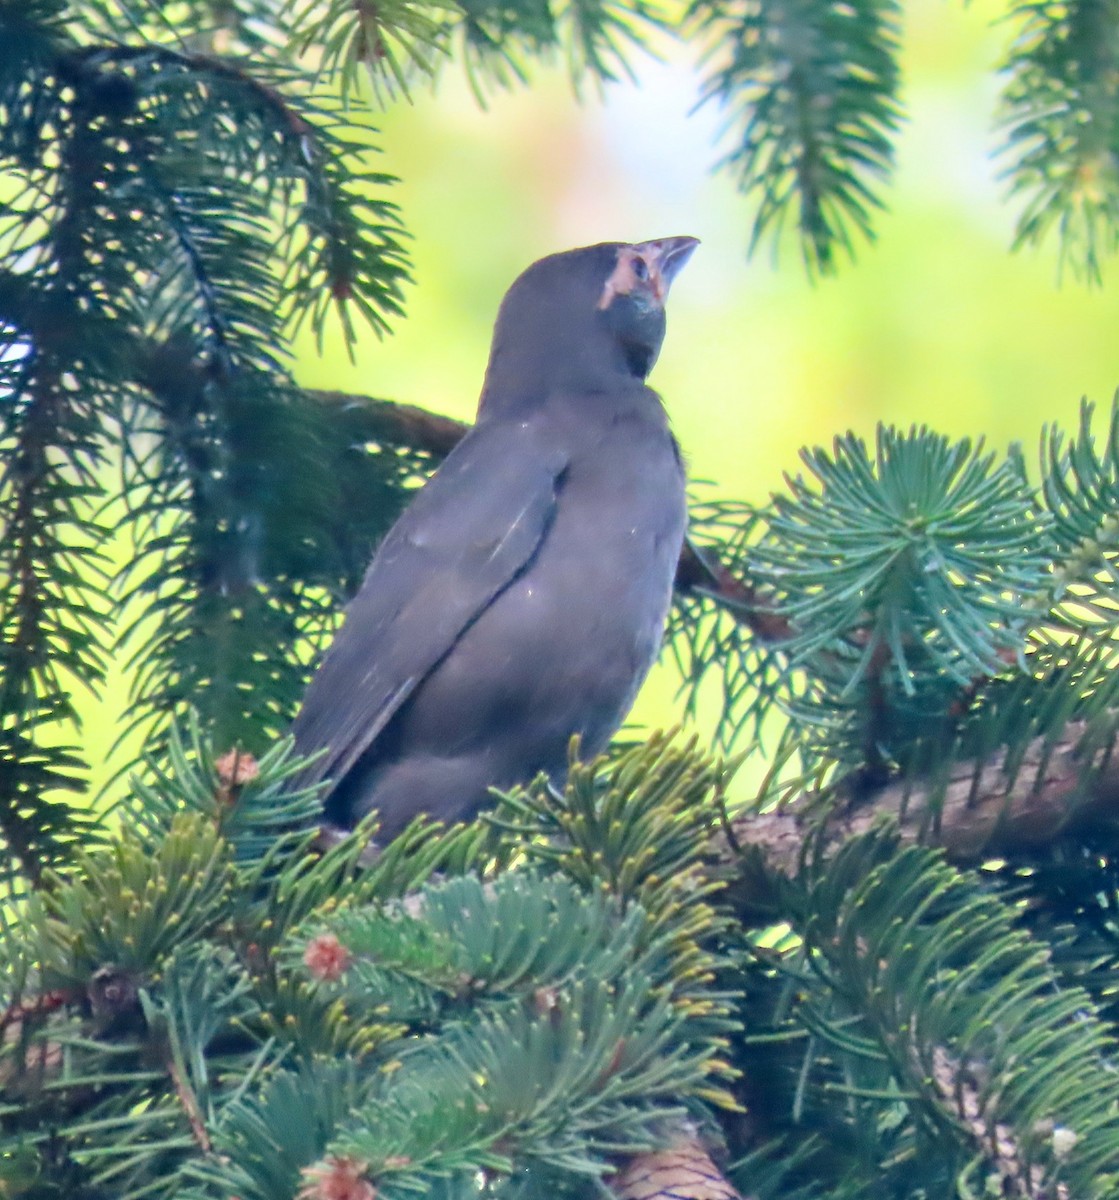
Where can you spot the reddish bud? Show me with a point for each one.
(326, 957)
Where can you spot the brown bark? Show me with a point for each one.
(404, 425)
(982, 810)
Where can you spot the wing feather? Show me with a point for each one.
(470, 531)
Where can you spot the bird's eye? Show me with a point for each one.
(640, 267)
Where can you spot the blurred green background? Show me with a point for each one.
(935, 323)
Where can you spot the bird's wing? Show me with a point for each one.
(468, 534)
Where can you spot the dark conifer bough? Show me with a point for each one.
(521, 598)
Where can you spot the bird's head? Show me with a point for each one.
(582, 320)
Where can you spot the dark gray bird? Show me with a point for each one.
(521, 598)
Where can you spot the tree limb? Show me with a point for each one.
(982, 810)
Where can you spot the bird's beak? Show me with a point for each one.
(668, 255)
(666, 258)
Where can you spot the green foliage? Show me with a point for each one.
(643, 855)
(130, 907)
(812, 89)
(167, 217)
(260, 824)
(1081, 488)
(924, 549)
(923, 602)
(964, 1063)
(539, 1063)
(1061, 112)
(176, 1027)
(709, 631)
(185, 1028)
(397, 44)
(279, 1128)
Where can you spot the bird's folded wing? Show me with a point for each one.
(468, 534)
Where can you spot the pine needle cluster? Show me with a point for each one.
(207, 1007)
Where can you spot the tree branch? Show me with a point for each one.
(405, 425)
(699, 572)
(983, 810)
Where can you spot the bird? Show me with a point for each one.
(521, 597)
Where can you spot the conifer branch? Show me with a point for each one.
(1061, 115)
(405, 425)
(984, 809)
